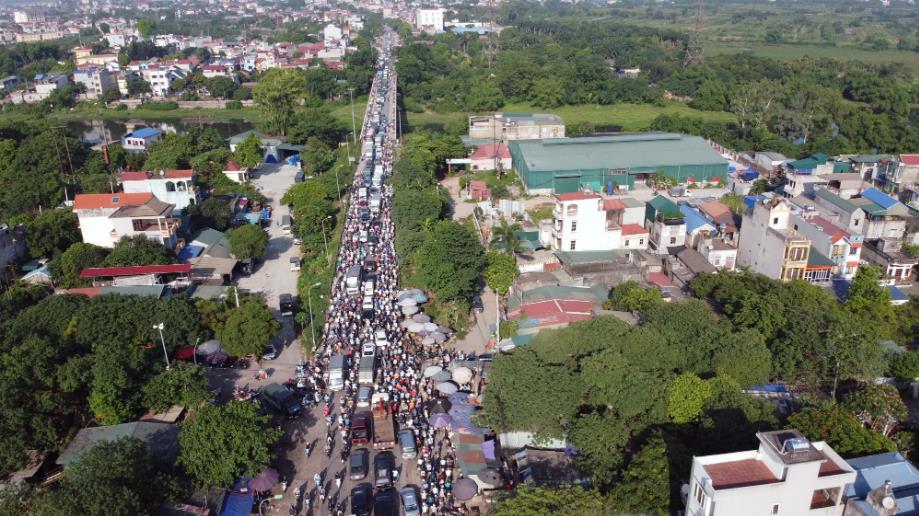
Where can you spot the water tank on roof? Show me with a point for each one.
(796, 445)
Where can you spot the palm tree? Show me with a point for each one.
(504, 237)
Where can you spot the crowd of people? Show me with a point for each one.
(369, 242)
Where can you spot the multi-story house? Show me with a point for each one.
(140, 139)
(708, 238)
(46, 83)
(666, 224)
(429, 20)
(787, 475)
(586, 222)
(769, 245)
(899, 177)
(106, 218)
(95, 80)
(842, 248)
(176, 187)
(516, 126)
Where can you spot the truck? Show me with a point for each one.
(336, 372)
(353, 280)
(282, 399)
(384, 432)
(365, 371)
(375, 200)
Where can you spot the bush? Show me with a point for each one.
(234, 104)
(161, 106)
(121, 107)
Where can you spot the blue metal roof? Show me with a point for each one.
(881, 199)
(693, 218)
(873, 470)
(897, 294)
(237, 504)
(144, 132)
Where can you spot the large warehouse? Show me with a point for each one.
(563, 165)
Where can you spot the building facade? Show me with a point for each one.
(106, 218)
(587, 222)
(176, 187)
(95, 80)
(516, 126)
(769, 245)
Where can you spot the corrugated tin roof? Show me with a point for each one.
(881, 199)
(161, 439)
(694, 219)
(816, 259)
(644, 151)
(836, 200)
(144, 132)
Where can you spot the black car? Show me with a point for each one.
(386, 503)
(358, 463)
(383, 465)
(367, 314)
(365, 214)
(361, 498)
(477, 304)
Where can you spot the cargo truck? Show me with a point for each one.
(365, 371)
(384, 433)
(282, 399)
(336, 380)
(353, 280)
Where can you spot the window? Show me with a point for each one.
(572, 245)
(626, 243)
(641, 241)
(170, 186)
(574, 225)
(775, 508)
(672, 240)
(775, 220)
(853, 251)
(855, 222)
(572, 209)
(699, 495)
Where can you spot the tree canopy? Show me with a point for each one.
(248, 328)
(248, 241)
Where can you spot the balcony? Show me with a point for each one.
(165, 227)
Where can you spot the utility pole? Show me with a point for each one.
(353, 126)
(694, 47)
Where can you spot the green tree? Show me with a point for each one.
(317, 123)
(630, 297)
(52, 232)
(905, 366)
(500, 271)
(146, 27)
(548, 92)
(867, 297)
(184, 384)
(688, 394)
(66, 268)
(138, 86)
(119, 477)
(221, 87)
(248, 242)
(318, 157)
(276, 95)
(249, 152)
(215, 213)
(504, 237)
(138, 250)
(248, 329)
(220, 443)
(549, 501)
(645, 484)
(744, 357)
(879, 406)
(172, 152)
(841, 430)
(450, 261)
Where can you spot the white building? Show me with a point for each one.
(586, 222)
(331, 34)
(45, 83)
(666, 223)
(843, 248)
(236, 173)
(95, 80)
(769, 245)
(787, 475)
(176, 187)
(160, 79)
(140, 139)
(106, 218)
(429, 20)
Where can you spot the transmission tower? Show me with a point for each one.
(694, 47)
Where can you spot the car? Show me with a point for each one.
(286, 304)
(406, 439)
(361, 499)
(368, 349)
(379, 338)
(363, 396)
(358, 463)
(367, 303)
(383, 465)
(269, 352)
(477, 304)
(295, 263)
(410, 501)
(362, 236)
(367, 314)
(386, 503)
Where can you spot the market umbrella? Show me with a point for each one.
(427, 341)
(489, 476)
(208, 347)
(444, 330)
(446, 387)
(406, 323)
(440, 420)
(438, 337)
(443, 376)
(422, 318)
(429, 326)
(432, 370)
(407, 302)
(462, 375)
(419, 297)
(439, 405)
(465, 489)
(264, 480)
(409, 310)
(415, 327)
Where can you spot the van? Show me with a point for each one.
(407, 444)
(285, 223)
(294, 263)
(336, 373)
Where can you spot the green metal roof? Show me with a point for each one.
(836, 200)
(161, 439)
(804, 164)
(633, 151)
(867, 158)
(869, 206)
(577, 257)
(209, 236)
(817, 259)
(594, 294)
(663, 204)
(841, 167)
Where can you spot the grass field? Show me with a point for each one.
(628, 117)
(790, 51)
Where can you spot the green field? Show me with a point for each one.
(792, 51)
(630, 117)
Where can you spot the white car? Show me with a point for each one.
(368, 350)
(363, 395)
(368, 303)
(380, 339)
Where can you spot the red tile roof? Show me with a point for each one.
(739, 473)
(715, 209)
(89, 292)
(96, 201)
(830, 468)
(165, 174)
(613, 205)
(909, 159)
(487, 151)
(97, 272)
(232, 166)
(660, 279)
(576, 196)
(633, 229)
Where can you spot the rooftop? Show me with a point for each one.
(487, 151)
(118, 200)
(137, 270)
(576, 196)
(144, 132)
(739, 473)
(164, 174)
(160, 438)
(633, 229)
(872, 471)
(909, 159)
(843, 204)
(694, 219)
(630, 151)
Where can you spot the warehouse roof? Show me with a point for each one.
(644, 150)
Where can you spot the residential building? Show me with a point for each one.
(704, 236)
(787, 475)
(141, 139)
(769, 245)
(805, 175)
(885, 484)
(176, 187)
(842, 248)
(769, 161)
(9, 82)
(721, 215)
(900, 177)
(491, 157)
(106, 218)
(429, 20)
(235, 172)
(331, 34)
(885, 216)
(516, 126)
(841, 212)
(666, 223)
(95, 80)
(160, 79)
(562, 165)
(586, 222)
(867, 165)
(46, 83)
